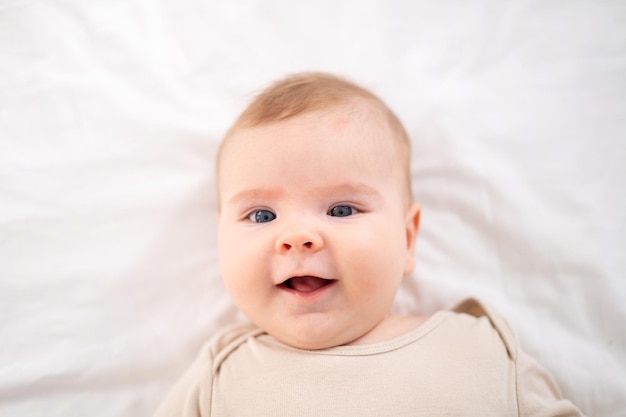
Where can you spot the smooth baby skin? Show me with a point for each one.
(315, 228)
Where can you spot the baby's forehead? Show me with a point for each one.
(350, 136)
(379, 127)
(343, 133)
(350, 114)
(355, 109)
(367, 119)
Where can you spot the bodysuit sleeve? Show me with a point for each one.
(191, 395)
(538, 395)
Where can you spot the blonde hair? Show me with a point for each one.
(308, 92)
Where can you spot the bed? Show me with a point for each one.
(111, 114)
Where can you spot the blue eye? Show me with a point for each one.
(341, 211)
(262, 216)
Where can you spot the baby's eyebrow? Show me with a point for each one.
(269, 194)
(254, 194)
(352, 188)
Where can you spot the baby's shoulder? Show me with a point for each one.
(474, 320)
(226, 340)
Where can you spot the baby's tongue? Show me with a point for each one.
(307, 284)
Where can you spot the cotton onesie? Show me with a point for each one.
(464, 362)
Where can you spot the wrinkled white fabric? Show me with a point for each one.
(110, 116)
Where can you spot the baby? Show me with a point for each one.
(317, 228)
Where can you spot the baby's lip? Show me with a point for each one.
(305, 284)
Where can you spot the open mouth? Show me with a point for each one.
(306, 284)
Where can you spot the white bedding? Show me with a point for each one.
(110, 115)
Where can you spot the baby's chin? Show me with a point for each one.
(306, 344)
(318, 341)
(390, 327)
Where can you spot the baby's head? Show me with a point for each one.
(316, 220)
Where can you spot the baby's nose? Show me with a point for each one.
(304, 240)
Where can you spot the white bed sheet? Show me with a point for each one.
(110, 115)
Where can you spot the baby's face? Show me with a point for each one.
(315, 231)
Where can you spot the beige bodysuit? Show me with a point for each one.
(464, 362)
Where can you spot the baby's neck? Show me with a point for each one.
(392, 326)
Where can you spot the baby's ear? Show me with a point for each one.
(412, 226)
